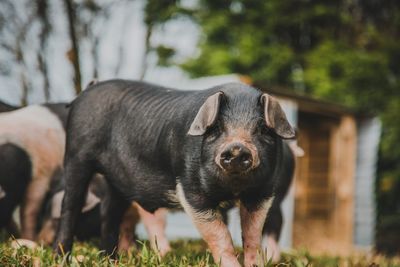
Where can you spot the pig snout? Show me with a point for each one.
(236, 158)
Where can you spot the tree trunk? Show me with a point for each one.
(42, 11)
(74, 53)
(149, 31)
(25, 89)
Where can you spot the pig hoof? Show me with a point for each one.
(164, 251)
(272, 249)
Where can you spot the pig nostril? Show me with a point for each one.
(226, 155)
(246, 162)
(245, 156)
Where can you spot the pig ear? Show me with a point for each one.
(206, 115)
(275, 118)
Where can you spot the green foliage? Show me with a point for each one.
(340, 50)
(164, 55)
(349, 76)
(159, 12)
(388, 234)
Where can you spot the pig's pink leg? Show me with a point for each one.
(214, 232)
(47, 233)
(127, 228)
(270, 244)
(32, 204)
(155, 227)
(252, 222)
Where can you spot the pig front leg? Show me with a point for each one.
(252, 220)
(213, 230)
(155, 227)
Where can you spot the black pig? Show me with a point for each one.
(163, 148)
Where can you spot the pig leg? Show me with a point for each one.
(271, 246)
(213, 230)
(127, 228)
(34, 197)
(113, 208)
(47, 233)
(252, 221)
(271, 233)
(155, 227)
(77, 177)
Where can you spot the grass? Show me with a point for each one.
(185, 253)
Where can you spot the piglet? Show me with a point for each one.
(166, 148)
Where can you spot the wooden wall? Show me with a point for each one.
(325, 183)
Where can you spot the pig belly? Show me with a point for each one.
(154, 193)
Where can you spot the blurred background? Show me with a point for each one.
(338, 56)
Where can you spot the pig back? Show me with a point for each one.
(153, 121)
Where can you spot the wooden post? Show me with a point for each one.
(342, 172)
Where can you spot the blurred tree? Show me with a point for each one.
(156, 14)
(13, 41)
(29, 31)
(307, 45)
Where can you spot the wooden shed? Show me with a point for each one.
(333, 193)
(330, 206)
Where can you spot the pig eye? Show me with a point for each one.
(214, 132)
(267, 135)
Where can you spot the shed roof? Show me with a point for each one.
(307, 103)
